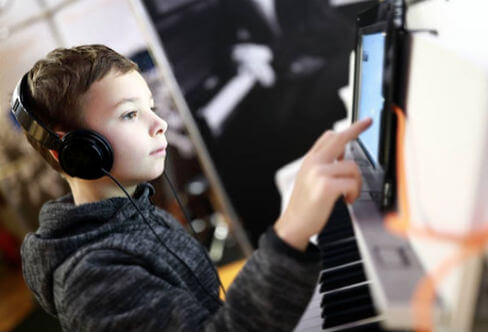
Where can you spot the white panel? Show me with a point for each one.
(108, 22)
(447, 138)
(17, 11)
(54, 3)
(18, 54)
(461, 24)
(447, 109)
(447, 112)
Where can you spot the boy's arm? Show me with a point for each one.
(272, 290)
(111, 290)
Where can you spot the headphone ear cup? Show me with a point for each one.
(84, 153)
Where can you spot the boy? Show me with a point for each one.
(96, 265)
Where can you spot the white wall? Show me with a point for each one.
(34, 30)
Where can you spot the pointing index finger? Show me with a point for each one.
(356, 129)
(331, 146)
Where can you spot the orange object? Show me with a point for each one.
(227, 274)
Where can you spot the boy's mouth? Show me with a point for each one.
(159, 151)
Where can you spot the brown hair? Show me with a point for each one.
(58, 82)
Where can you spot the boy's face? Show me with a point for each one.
(120, 107)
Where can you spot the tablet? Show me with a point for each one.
(377, 86)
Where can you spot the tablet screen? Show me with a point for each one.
(371, 100)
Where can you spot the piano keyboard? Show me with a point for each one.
(342, 299)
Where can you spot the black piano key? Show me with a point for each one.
(332, 247)
(326, 246)
(338, 217)
(347, 257)
(338, 222)
(369, 327)
(340, 249)
(342, 277)
(349, 315)
(334, 231)
(328, 229)
(345, 293)
(341, 270)
(340, 207)
(334, 240)
(337, 234)
(360, 299)
(340, 210)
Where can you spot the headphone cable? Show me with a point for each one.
(183, 210)
(214, 297)
(188, 221)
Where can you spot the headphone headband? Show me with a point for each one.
(28, 121)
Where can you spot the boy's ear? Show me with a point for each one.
(54, 153)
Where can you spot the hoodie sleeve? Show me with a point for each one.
(109, 290)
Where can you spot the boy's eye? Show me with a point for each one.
(129, 115)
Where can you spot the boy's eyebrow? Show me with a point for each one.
(130, 100)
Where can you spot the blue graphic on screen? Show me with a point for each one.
(371, 98)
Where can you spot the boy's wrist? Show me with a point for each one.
(291, 236)
(310, 255)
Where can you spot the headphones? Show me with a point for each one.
(82, 153)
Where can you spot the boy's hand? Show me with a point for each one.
(323, 177)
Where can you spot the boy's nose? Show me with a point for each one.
(159, 126)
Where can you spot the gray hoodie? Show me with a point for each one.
(98, 267)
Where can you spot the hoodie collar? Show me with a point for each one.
(67, 216)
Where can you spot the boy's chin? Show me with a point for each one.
(149, 177)
(135, 179)
(156, 174)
